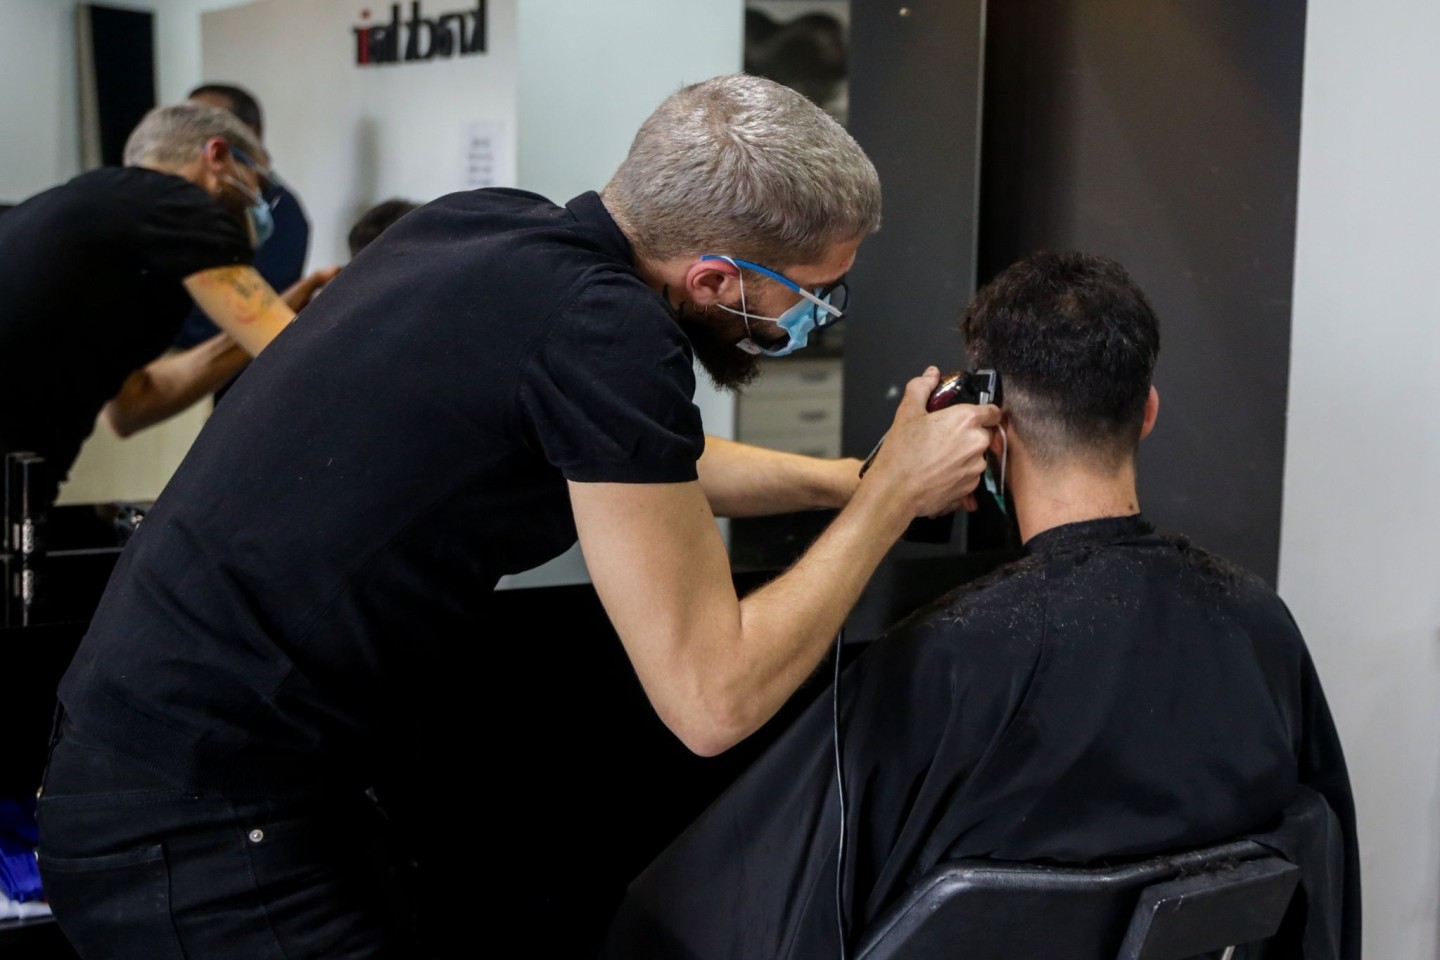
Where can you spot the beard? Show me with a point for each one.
(715, 343)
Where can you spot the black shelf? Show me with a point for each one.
(34, 938)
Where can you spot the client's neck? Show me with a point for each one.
(1051, 496)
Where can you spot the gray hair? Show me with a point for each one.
(742, 166)
(172, 136)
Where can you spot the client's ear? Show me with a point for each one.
(1152, 410)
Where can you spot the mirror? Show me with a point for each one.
(796, 404)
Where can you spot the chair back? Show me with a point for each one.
(1165, 908)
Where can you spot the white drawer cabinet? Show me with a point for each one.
(794, 405)
(812, 444)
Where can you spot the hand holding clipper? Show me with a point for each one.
(948, 462)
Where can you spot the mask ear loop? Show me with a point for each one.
(1004, 455)
(997, 490)
(748, 344)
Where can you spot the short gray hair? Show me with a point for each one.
(171, 136)
(742, 166)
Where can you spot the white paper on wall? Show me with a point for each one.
(486, 146)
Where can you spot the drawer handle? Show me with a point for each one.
(815, 416)
(815, 376)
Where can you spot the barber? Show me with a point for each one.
(493, 377)
(97, 274)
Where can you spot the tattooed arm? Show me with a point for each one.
(242, 304)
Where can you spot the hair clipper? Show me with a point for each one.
(964, 386)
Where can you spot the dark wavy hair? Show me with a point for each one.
(1075, 341)
(376, 221)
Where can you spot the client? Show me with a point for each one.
(1115, 693)
(375, 221)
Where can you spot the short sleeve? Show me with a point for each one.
(184, 230)
(608, 395)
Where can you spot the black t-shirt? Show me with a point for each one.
(90, 291)
(340, 524)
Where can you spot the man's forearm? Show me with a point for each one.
(716, 669)
(741, 480)
(241, 303)
(788, 625)
(173, 383)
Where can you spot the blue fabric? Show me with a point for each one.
(19, 873)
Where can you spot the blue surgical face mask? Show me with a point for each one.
(258, 214)
(797, 322)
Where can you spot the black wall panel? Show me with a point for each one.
(1166, 135)
(122, 68)
(915, 108)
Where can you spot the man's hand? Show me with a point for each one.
(302, 291)
(932, 462)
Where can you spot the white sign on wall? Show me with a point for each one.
(418, 37)
(486, 145)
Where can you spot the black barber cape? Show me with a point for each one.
(1112, 694)
(90, 291)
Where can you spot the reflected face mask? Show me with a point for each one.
(259, 217)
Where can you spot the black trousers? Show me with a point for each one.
(137, 867)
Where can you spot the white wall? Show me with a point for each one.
(39, 140)
(177, 43)
(1360, 542)
(39, 127)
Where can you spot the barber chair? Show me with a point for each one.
(1201, 903)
